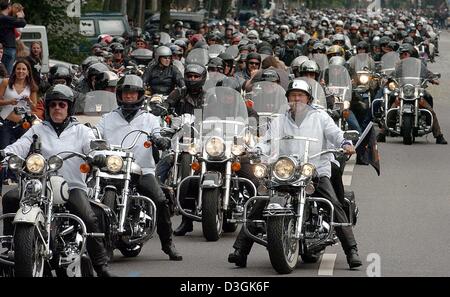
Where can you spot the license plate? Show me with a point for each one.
(407, 108)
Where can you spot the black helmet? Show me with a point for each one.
(119, 39)
(362, 45)
(95, 69)
(60, 71)
(270, 75)
(129, 83)
(88, 62)
(319, 47)
(59, 92)
(393, 45)
(406, 47)
(409, 40)
(230, 82)
(216, 64)
(309, 66)
(106, 79)
(385, 40)
(197, 69)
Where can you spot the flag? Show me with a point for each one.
(367, 148)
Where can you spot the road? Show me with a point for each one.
(402, 228)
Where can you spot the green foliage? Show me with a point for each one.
(62, 31)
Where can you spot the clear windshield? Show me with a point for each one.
(224, 114)
(212, 79)
(388, 62)
(179, 65)
(215, 50)
(339, 82)
(99, 102)
(233, 51)
(269, 98)
(317, 92)
(411, 71)
(142, 55)
(185, 135)
(165, 38)
(199, 56)
(321, 60)
(361, 61)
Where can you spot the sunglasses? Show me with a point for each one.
(254, 63)
(166, 57)
(61, 104)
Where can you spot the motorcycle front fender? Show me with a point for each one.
(211, 180)
(29, 215)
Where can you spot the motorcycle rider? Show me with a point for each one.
(130, 116)
(161, 75)
(61, 132)
(298, 94)
(288, 53)
(407, 51)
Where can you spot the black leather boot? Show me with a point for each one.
(172, 252)
(185, 226)
(102, 271)
(353, 259)
(441, 140)
(238, 258)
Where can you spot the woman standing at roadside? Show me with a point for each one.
(35, 60)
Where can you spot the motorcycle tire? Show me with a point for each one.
(109, 199)
(130, 252)
(28, 252)
(282, 247)
(185, 165)
(212, 215)
(407, 130)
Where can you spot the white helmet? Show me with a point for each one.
(300, 85)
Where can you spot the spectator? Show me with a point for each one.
(7, 32)
(35, 60)
(3, 71)
(22, 51)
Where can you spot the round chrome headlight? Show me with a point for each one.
(35, 163)
(364, 78)
(237, 149)
(114, 163)
(284, 169)
(55, 163)
(215, 147)
(15, 162)
(260, 170)
(308, 170)
(408, 91)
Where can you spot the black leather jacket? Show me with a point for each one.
(162, 80)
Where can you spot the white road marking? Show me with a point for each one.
(347, 180)
(327, 264)
(349, 167)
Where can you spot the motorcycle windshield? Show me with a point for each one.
(165, 38)
(179, 65)
(388, 62)
(339, 82)
(361, 61)
(99, 102)
(142, 55)
(296, 133)
(215, 50)
(321, 60)
(317, 92)
(224, 114)
(411, 71)
(233, 51)
(183, 138)
(269, 98)
(198, 56)
(213, 78)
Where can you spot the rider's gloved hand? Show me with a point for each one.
(161, 143)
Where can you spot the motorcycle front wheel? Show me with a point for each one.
(282, 246)
(407, 129)
(28, 251)
(212, 215)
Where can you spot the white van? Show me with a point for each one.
(32, 33)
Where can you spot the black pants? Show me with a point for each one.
(325, 190)
(149, 187)
(78, 205)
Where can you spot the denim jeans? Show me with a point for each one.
(9, 57)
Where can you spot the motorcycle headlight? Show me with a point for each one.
(215, 147)
(260, 170)
(284, 169)
(35, 163)
(15, 162)
(114, 163)
(55, 162)
(308, 170)
(237, 149)
(408, 91)
(364, 78)
(392, 86)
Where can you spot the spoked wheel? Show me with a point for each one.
(29, 251)
(212, 215)
(282, 246)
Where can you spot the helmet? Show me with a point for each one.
(59, 92)
(230, 82)
(178, 24)
(181, 43)
(197, 69)
(162, 51)
(284, 27)
(88, 62)
(406, 47)
(339, 23)
(362, 45)
(385, 40)
(409, 40)
(319, 47)
(176, 50)
(105, 79)
(252, 34)
(295, 65)
(309, 66)
(393, 45)
(95, 69)
(128, 83)
(216, 63)
(60, 71)
(338, 38)
(116, 47)
(290, 37)
(337, 60)
(105, 38)
(299, 85)
(335, 50)
(270, 75)
(119, 39)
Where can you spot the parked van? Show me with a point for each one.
(93, 24)
(32, 33)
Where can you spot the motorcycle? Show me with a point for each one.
(295, 223)
(217, 155)
(46, 237)
(96, 104)
(411, 121)
(128, 218)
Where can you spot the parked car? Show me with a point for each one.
(194, 19)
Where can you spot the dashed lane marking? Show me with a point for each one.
(327, 264)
